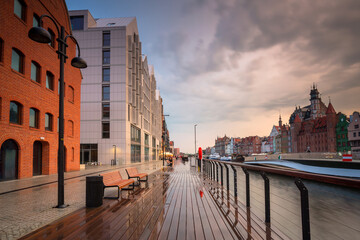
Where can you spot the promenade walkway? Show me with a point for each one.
(27, 204)
(176, 203)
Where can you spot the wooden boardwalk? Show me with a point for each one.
(176, 204)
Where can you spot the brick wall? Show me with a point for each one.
(19, 87)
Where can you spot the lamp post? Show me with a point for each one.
(195, 137)
(114, 146)
(39, 34)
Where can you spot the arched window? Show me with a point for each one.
(35, 71)
(49, 80)
(15, 112)
(1, 50)
(48, 122)
(52, 34)
(71, 94)
(9, 160)
(36, 20)
(34, 118)
(17, 60)
(71, 128)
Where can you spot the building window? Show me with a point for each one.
(34, 118)
(106, 39)
(49, 80)
(135, 153)
(135, 134)
(354, 134)
(146, 152)
(36, 21)
(71, 128)
(71, 94)
(356, 126)
(52, 34)
(106, 110)
(17, 60)
(105, 130)
(48, 121)
(146, 139)
(359, 134)
(15, 112)
(106, 57)
(106, 74)
(153, 142)
(20, 9)
(77, 22)
(35, 72)
(106, 93)
(1, 50)
(72, 154)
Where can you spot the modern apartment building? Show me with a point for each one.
(29, 92)
(120, 106)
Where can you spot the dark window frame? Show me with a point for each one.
(50, 80)
(106, 60)
(50, 122)
(18, 113)
(38, 71)
(74, 22)
(104, 94)
(36, 118)
(106, 41)
(37, 18)
(105, 112)
(105, 133)
(53, 38)
(23, 10)
(21, 60)
(105, 77)
(71, 94)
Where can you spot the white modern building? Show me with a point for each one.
(120, 106)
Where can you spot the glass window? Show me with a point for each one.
(356, 126)
(106, 110)
(36, 21)
(106, 74)
(146, 152)
(52, 34)
(19, 9)
(77, 22)
(15, 112)
(135, 153)
(153, 142)
(48, 121)
(35, 72)
(105, 130)
(106, 39)
(135, 134)
(34, 118)
(354, 134)
(146, 139)
(106, 57)
(106, 93)
(17, 61)
(71, 94)
(50, 81)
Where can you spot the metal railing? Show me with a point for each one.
(211, 169)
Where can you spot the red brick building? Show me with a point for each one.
(29, 98)
(249, 145)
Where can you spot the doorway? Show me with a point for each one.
(37, 158)
(9, 160)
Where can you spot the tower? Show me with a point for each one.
(280, 122)
(331, 127)
(315, 101)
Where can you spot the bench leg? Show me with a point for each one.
(132, 187)
(146, 179)
(118, 194)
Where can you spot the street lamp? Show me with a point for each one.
(195, 137)
(114, 146)
(41, 35)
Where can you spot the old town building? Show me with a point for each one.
(342, 143)
(29, 92)
(354, 134)
(220, 144)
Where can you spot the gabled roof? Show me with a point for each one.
(297, 119)
(330, 109)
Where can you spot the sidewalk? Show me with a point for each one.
(27, 204)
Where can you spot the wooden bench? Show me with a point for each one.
(114, 179)
(133, 173)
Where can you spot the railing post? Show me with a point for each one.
(247, 187)
(235, 181)
(227, 176)
(267, 197)
(305, 216)
(213, 170)
(217, 172)
(222, 179)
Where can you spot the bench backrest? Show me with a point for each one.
(111, 177)
(131, 171)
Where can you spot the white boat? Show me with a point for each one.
(225, 158)
(214, 156)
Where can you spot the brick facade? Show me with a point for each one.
(19, 87)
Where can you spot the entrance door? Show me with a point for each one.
(9, 160)
(86, 156)
(37, 158)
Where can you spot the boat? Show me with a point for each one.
(214, 156)
(225, 158)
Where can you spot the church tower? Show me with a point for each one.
(315, 102)
(280, 122)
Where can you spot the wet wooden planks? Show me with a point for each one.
(176, 204)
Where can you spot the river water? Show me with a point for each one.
(334, 210)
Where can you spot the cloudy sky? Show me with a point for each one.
(232, 66)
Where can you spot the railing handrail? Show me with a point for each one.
(341, 181)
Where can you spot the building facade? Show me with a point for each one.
(354, 134)
(120, 110)
(220, 144)
(29, 92)
(342, 143)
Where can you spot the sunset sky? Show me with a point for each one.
(231, 66)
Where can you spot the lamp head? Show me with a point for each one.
(39, 34)
(78, 62)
